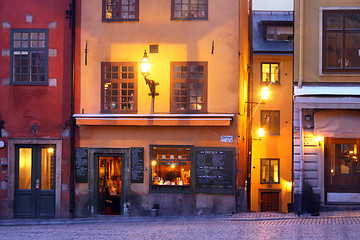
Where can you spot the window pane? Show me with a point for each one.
(265, 69)
(274, 171)
(274, 73)
(25, 162)
(352, 21)
(47, 168)
(334, 21)
(265, 171)
(270, 33)
(352, 50)
(334, 50)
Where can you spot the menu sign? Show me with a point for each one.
(137, 165)
(215, 168)
(81, 165)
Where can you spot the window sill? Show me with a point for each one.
(218, 120)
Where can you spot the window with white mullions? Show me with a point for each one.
(188, 87)
(189, 9)
(29, 56)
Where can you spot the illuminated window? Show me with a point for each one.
(189, 9)
(279, 33)
(29, 57)
(170, 166)
(120, 10)
(270, 122)
(188, 87)
(269, 170)
(341, 37)
(119, 87)
(270, 73)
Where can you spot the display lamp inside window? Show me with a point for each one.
(171, 166)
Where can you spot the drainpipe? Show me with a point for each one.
(249, 112)
(72, 119)
(301, 66)
(301, 43)
(301, 162)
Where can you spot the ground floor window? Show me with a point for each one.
(170, 166)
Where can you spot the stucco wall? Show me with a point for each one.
(177, 40)
(311, 41)
(273, 146)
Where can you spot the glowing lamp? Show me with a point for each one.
(265, 92)
(145, 65)
(261, 132)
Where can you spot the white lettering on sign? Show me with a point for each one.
(226, 139)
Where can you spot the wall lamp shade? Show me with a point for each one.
(145, 65)
(265, 92)
(261, 132)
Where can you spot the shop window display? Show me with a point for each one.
(171, 166)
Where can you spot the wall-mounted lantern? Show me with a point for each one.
(145, 66)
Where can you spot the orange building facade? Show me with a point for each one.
(184, 153)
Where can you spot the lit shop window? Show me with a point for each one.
(171, 166)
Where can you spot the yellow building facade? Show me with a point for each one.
(271, 154)
(181, 157)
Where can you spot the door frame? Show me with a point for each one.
(11, 169)
(94, 154)
(336, 193)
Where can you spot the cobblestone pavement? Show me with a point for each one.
(231, 227)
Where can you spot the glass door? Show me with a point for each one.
(343, 168)
(34, 181)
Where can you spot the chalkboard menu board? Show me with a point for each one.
(81, 165)
(215, 168)
(137, 165)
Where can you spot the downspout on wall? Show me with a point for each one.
(249, 113)
(301, 62)
(72, 119)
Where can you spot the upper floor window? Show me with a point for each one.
(29, 57)
(270, 121)
(279, 33)
(188, 87)
(120, 10)
(270, 73)
(341, 41)
(119, 87)
(189, 9)
(269, 170)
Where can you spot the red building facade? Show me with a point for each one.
(35, 107)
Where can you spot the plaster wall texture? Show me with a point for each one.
(178, 41)
(312, 57)
(273, 146)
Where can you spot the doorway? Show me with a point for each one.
(270, 201)
(109, 185)
(342, 168)
(34, 181)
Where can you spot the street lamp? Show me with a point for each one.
(265, 92)
(145, 66)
